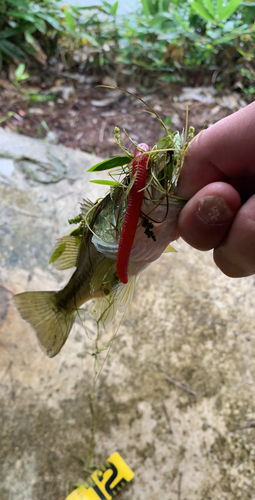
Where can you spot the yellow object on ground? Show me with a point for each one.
(105, 483)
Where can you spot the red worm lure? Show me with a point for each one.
(132, 215)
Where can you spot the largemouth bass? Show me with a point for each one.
(93, 247)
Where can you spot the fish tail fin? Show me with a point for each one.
(51, 322)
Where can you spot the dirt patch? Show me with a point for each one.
(83, 116)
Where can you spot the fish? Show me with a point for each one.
(92, 248)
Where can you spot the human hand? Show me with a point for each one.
(218, 179)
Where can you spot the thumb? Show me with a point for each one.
(207, 216)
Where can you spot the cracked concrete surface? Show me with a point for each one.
(187, 321)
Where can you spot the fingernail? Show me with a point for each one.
(214, 210)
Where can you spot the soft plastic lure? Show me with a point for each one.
(135, 200)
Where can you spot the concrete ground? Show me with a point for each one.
(187, 321)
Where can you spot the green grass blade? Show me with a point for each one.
(201, 10)
(12, 50)
(106, 183)
(146, 8)
(69, 20)
(118, 161)
(228, 10)
(209, 6)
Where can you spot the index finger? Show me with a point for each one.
(223, 152)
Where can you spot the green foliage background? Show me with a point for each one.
(170, 39)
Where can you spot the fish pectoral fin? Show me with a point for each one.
(104, 268)
(66, 252)
(51, 323)
(103, 310)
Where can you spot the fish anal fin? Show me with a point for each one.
(124, 294)
(51, 323)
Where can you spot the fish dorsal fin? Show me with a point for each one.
(169, 249)
(66, 252)
(124, 294)
(86, 206)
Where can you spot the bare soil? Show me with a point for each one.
(81, 115)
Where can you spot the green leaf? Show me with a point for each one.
(228, 10)
(224, 39)
(40, 25)
(89, 38)
(168, 122)
(50, 20)
(219, 4)
(115, 7)
(40, 97)
(12, 50)
(182, 23)
(27, 48)
(109, 8)
(39, 53)
(160, 18)
(146, 8)
(118, 161)
(69, 20)
(20, 70)
(21, 15)
(107, 183)
(91, 7)
(56, 254)
(11, 31)
(202, 11)
(3, 118)
(19, 3)
(209, 6)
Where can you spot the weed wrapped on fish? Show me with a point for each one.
(116, 238)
